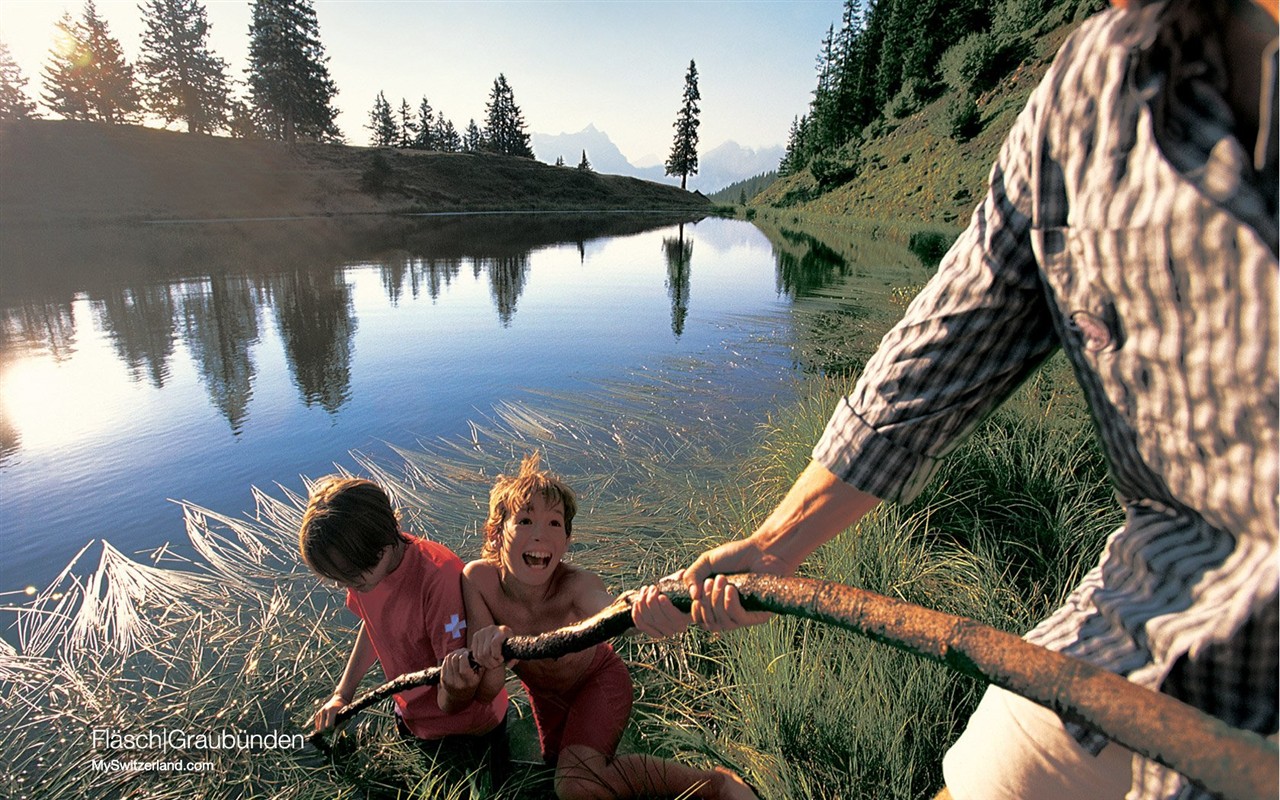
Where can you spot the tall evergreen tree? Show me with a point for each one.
(473, 139)
(504, 123)
(683, 160)
(408, 126)
(289, 81)
(425, 139)
(382, 124)
(182, 79)
(14, 103)
(584, 164)
(87, 76)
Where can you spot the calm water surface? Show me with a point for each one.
(177, 370)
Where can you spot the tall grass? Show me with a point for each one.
(1002, 533)
(242, 638)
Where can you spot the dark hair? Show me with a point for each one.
(347, 525)
(512, 492)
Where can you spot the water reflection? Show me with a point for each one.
(679, 253)
(817, 267)
(220, 323)
(141, 323)
(144, 309)
(218, 316)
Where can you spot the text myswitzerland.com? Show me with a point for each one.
(137, 765)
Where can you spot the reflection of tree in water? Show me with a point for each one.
(507, 276)
(816, 268)
(140, 323)
(48, 326)
(221, 319)
(315, 315)
(679, 252)
(433, 274)
(393, 272)
(437, 273)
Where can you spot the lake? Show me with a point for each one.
(158, 363)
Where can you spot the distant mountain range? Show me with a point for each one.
(717, 168)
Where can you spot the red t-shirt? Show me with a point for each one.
(414, 616)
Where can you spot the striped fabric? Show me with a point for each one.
(1126, 224)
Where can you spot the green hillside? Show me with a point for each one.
(59, 172)
(910, 170)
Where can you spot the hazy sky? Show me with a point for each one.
(617, 64)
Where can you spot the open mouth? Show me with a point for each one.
(537, 560)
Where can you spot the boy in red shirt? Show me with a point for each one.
(407, 592)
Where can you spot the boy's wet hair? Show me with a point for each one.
(510, 493)
(347, 525)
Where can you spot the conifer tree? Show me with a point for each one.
(473, 139)
(182, 79)
(425, 139)
(683, 160)
(504, 125)
(240, 119)
(13, 89)
(584, 164)
(447, 138)
(408, 127)
(289, 81)
(382, 124)
(87, 76)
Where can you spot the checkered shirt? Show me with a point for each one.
(1126, 224)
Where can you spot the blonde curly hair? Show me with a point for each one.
(513, 492)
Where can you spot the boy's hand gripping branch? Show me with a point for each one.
(1231, 763)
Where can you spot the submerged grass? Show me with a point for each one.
(666, 463)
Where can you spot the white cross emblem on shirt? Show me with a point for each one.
(455, 626)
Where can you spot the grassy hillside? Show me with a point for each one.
(910, 170)
(56, 172)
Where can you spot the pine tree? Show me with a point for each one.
(407, 127)
(382, 124)
(504, 125)
(683, 160)
(584, 164)
(473, 139)
(240, 119)
(288, 80)
(447, 138)
(87, 76)
(425, 139)
(181, 77)
(13, 89)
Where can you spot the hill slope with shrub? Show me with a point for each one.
(919, 165)
(59, 172)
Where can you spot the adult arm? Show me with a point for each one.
(966, 342)
(818, 507)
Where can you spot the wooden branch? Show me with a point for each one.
(1228, 762)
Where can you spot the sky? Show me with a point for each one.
(617, 64)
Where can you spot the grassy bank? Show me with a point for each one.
(64, 174)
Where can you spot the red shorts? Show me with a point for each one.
(593, 713)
